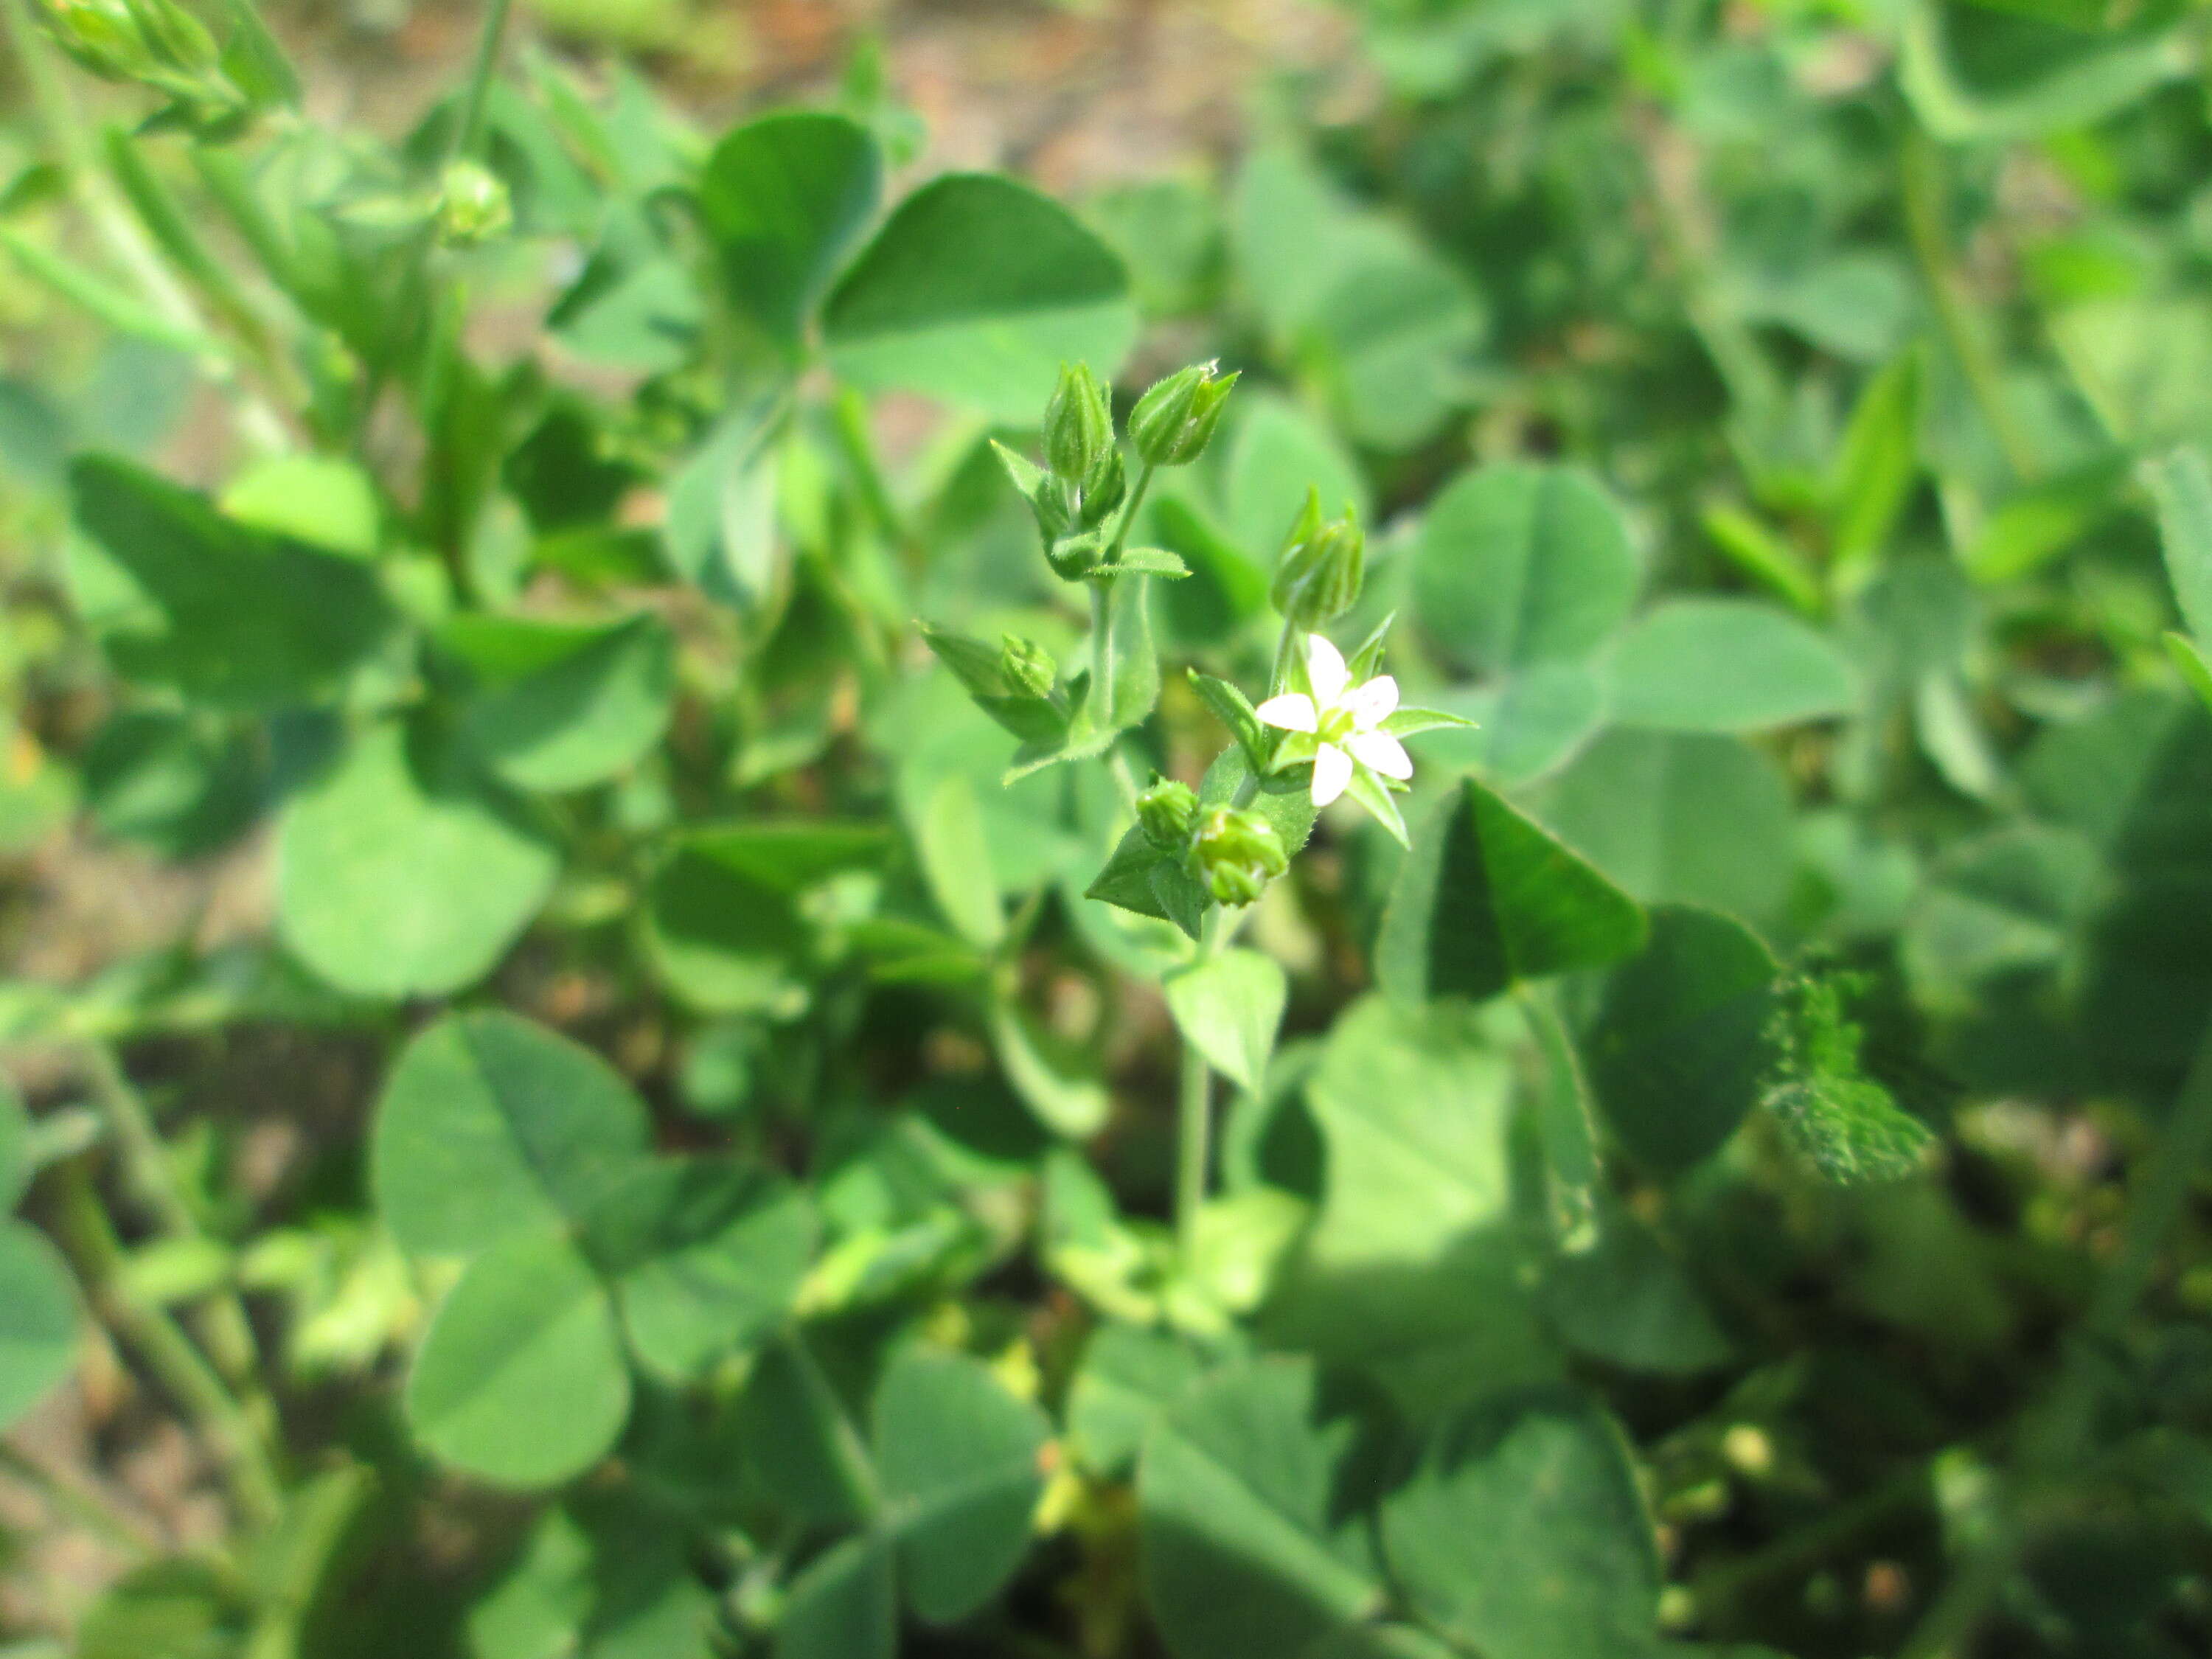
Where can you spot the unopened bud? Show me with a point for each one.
(1234, 854)
(1078, 427)
(1027, 666)
(102, 36)
(1173, 421)
(1318, 575)
(473, 204)
(1101, 493)
(178, 40)
(1169, 812)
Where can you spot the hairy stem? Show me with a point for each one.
(1194, 1111)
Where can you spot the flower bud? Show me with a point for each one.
(1173, 421)
(1078, 427)
(1169, 812)
(1102, 492)
(473, 204)
(1235, 854)
(100, 36)
(1027, 666)
(1318, 575)
(178, 40)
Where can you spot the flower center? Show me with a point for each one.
(1336, 724)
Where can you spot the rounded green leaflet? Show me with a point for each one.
(402, 873)
(783, 198)
(704, 1256)
(844, 1605)
(1523, 564)
(1679, 1050)
(1522, 1534)
(1712, 824)
(957, 1456)
(1716, 664)
(1248, 1547)
(490, 1125)
(558, 706)
(520, 1378)
(37, 1320)
(974, 292)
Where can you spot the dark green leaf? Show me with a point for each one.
(783, 198)
(558, 706)
(37, 1320)
(1707, 664)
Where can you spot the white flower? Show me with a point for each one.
(1345, 720)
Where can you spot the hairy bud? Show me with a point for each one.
(1173, 422)
(1234, 854)
(1027, 666)
(1169, 812)
(1318, 575)
(1078, 427)
(473, 204)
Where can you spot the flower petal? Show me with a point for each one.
(1325, 669)
(1293, 711)
(1370, 704)
(1332, 772)
(1378, 751)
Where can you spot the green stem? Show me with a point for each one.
(83, 1501)
(1195, 1113)
(1129, 513)
(1923, 168)
(468, 136)
(2055, 1438)
(849, 413)
(179, 1367)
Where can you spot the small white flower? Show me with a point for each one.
(1345, 720)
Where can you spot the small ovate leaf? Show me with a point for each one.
(1127, 878)
(2180, 482)
(975, 291)
(1381, 803)
(1522, 1534)
(1488, 898)
(981, 667)
(1228, 1006)
(1711, 665)
(400, 872)
(520, 1378)
(1846, 1124)
(490, 1125)
(1680, 1048)
(39, 1320)
(782, 199)
(317, 498)
(1247, 1545)
(1412, 722)
(1052, 1076)
(558, 706)
(956, 860)
(1148, 562)
(1234, 710)
(958, 1459)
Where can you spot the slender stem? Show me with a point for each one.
(468, 136)
(1194, 1111)
(152, 1177)
(84, 1502)
(1105, 659)
(849, 413)
(1923, 166)
(1129, 513)
(2057, 1437)
(179, 1367)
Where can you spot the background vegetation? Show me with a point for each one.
(616, 1051)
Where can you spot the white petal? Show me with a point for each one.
(1379, 752)
(1325, 668)
(1370, 704)
(1293, 711)
(1332, 772)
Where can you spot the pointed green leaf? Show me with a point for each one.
(1228, 1007)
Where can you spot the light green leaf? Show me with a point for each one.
(2190, 661)
(844, 1606)
(37, 1320)
(1706, 664)
(1055, 1080)
(225, 616)
(1711, 823)
(1276, 454)
(2180, 482)
(1228, 1007)
(521, 1377)
(560, 706)
(1680, 1046)
(704, 1257)
(399, 873)
(783, 198)
(1248, 1547)
(975, 291)
(320, 500)
(1488, 898)
(1519, 564)
(957, 1455)
(1522, 1535)
(955, 860)
(1128, 1375)
(490, 1125)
